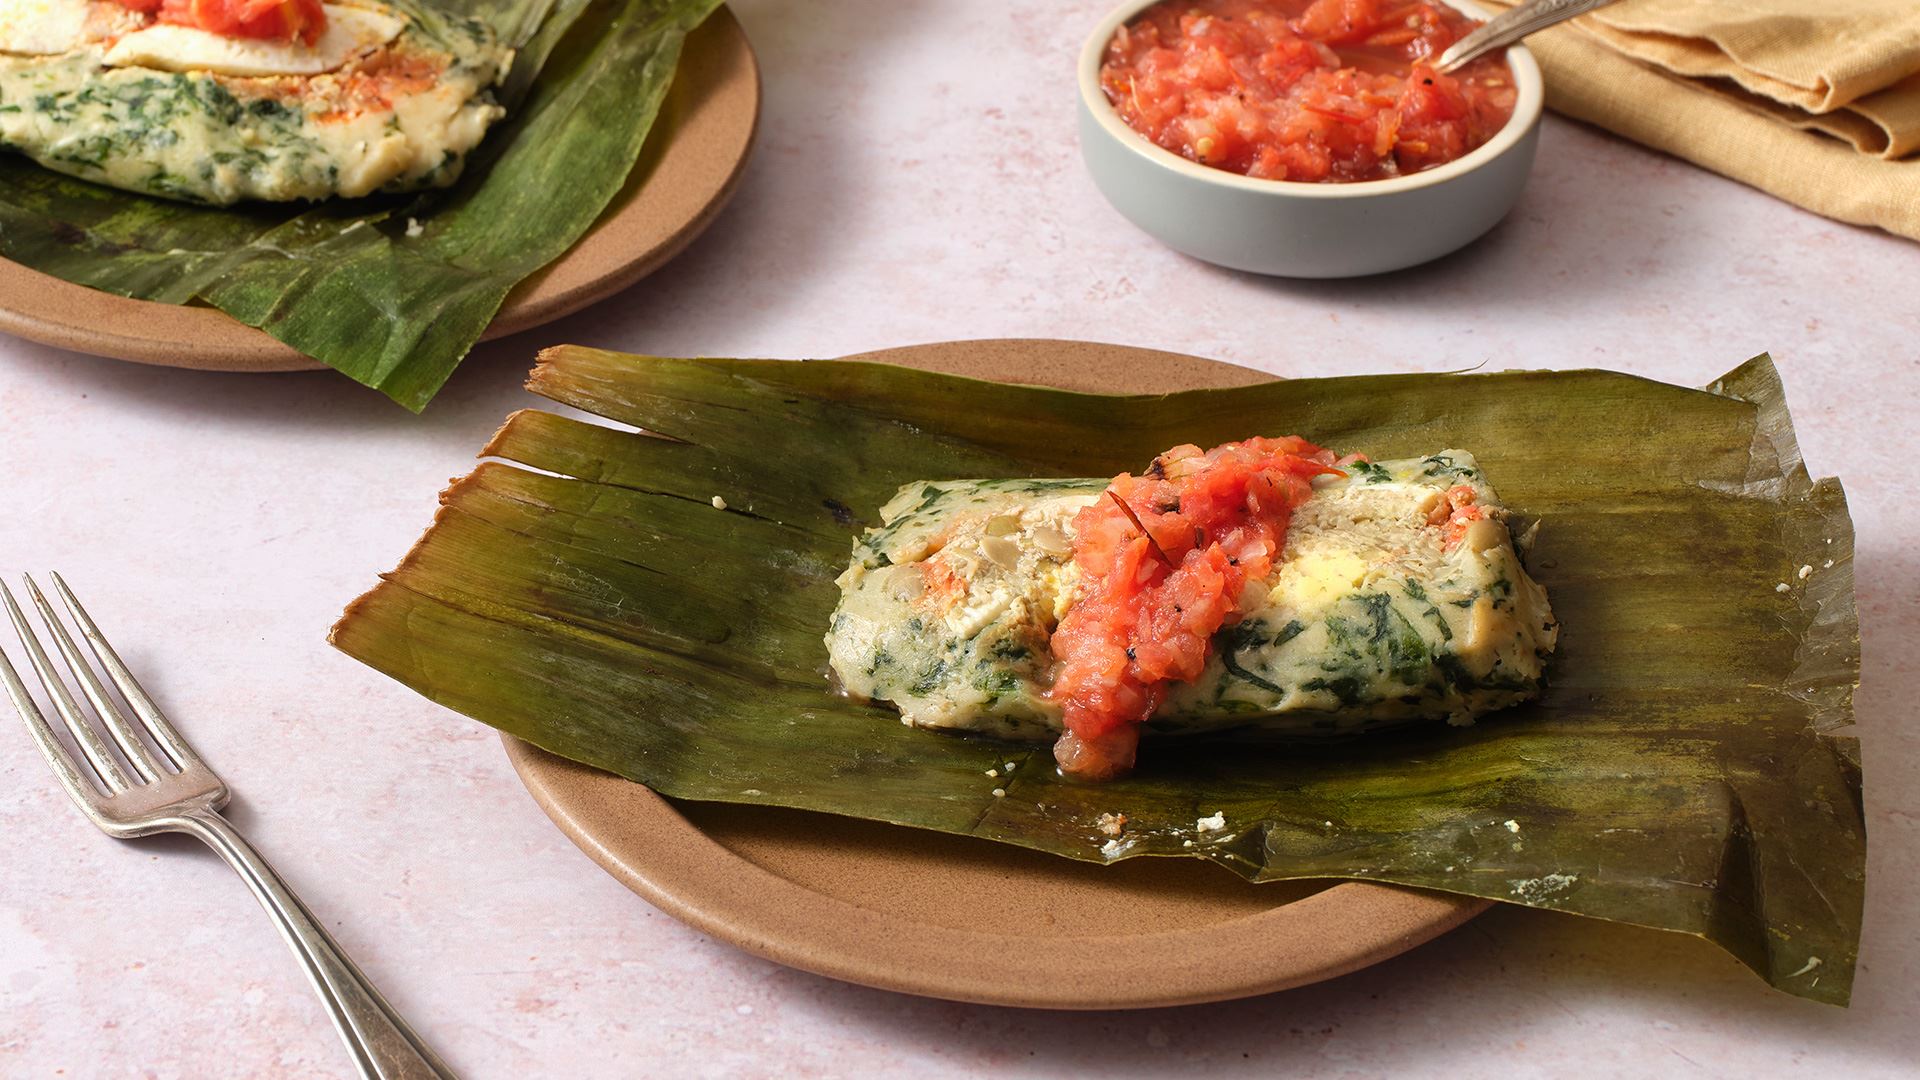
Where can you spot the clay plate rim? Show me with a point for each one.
(677, 188)
(792, 886)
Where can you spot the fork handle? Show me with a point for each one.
(382, 1045)
(1512, 25)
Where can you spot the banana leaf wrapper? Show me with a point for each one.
(1685, 769)
(341, 281)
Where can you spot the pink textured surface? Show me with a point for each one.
(217, 523)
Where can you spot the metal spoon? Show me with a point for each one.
(1511, 27)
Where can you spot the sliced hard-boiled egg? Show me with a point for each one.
(350, 32)
(1311, 582)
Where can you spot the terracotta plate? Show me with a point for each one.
(691, 164)
(966, 919)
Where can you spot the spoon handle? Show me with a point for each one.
(1511, 27)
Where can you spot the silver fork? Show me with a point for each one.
(174, 791)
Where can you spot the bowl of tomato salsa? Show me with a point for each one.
(1305, 138)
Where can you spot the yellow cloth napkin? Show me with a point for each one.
(1814, 101)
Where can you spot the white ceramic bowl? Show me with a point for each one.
(1305, 230)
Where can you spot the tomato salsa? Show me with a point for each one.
(269, 20)
(1163, 557)
(1306, 90)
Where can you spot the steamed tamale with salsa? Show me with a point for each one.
(1267, 586)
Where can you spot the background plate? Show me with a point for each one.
(688, 169)
(966, 919)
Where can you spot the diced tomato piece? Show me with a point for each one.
(1457, 510)
(267, 20)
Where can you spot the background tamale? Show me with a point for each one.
(342, 281)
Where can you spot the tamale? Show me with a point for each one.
(1369, 617)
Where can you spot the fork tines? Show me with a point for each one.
(152, 749)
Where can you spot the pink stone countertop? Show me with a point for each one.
(916, 180)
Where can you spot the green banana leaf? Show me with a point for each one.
(1684, 770)
(393, 311)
